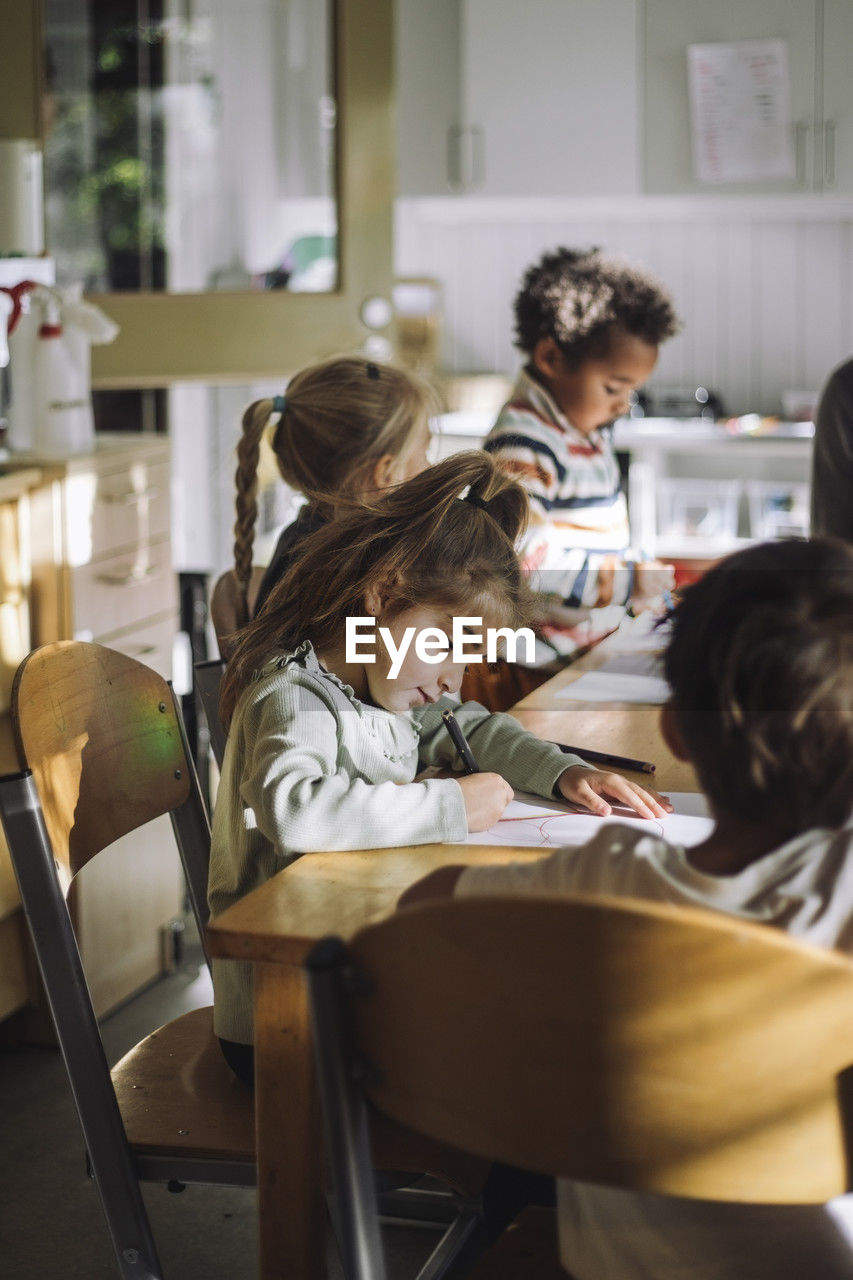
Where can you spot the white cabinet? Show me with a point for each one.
(428, 87)
(502, 98)
(695, 492)
(819, 36)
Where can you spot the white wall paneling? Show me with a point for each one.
(764, 285)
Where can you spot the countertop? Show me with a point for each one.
(628, 432)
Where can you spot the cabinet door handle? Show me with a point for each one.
(130, 498)
(829, 153)
(454, 157)
(466, 157)
(130, 578)
(478, 156)
(801, 129)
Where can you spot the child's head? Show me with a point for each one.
(347, 427)
(590, 324)
(761, 668)
(419, 554)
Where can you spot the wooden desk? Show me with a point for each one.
(276, 926)
(339, 893)
(623, 728)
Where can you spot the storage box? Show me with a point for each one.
(778, 509)
(697, 508)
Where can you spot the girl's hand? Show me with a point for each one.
(486, 795)
(589, 786)
(652, 582)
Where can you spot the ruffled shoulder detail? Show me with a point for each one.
(305, 657)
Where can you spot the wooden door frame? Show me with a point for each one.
(243, 337)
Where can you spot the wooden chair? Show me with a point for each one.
(226, 604)
(633, 1044)
(101, 750)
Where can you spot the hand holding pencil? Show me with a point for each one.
(486, 795)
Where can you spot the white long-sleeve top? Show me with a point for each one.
(805, 888)
(310, 767)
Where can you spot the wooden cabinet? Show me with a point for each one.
(818, 35)
(15, 984)
(545, 96)
(100, 557)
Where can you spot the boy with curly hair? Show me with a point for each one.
(760, 667)
(590, 325)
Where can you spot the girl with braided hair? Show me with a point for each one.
(343, 428)
(324, 744)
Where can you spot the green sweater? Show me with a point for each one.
(309, 767)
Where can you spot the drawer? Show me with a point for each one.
(116, 593)
(151, 644)
(122, 508)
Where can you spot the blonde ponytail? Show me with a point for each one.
(336, 421)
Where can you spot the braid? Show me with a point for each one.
(245, 502)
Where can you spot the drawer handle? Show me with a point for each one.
(140, 650)
(129, 579)
(130, 498)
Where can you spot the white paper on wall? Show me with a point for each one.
(740, 111)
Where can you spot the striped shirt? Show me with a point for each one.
(579, 514)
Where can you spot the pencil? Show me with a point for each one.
(466, 755)
(603, 757)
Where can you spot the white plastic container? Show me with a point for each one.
(63, 420)
(778, 509)
(698, 508)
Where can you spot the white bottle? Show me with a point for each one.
(63, 411)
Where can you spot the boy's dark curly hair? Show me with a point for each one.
(577, 297)
(760, 664)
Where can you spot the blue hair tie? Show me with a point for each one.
(278, 403)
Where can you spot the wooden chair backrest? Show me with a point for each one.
(100, 733)
(647, 1046)
(226, 604)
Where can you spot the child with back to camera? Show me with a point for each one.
(324, 747)
(590, 325)
(760, 664)
(345, 427)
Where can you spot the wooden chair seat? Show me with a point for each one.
(176, 1082)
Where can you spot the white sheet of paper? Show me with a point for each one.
(740, 111)
(549, 824)
(607, 685)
